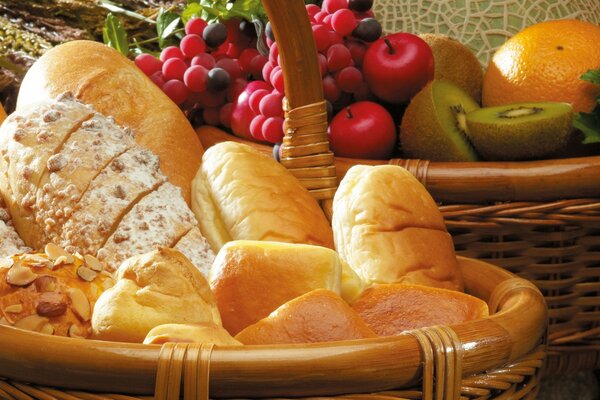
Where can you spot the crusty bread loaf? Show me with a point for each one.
(391, 309)
(317, 316)
(75, 178)
(52, 292)
(388, 229)
(180, 333)
(250, 279)
(114, 86)
(241, 194)
(152, 289)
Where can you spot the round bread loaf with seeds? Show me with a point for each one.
(52, 292)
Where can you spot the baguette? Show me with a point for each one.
(114, 86)
(389, 230)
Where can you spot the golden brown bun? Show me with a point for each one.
(393, 308)
(179, 333)
(152, 289)
(250, 279)
(242, 194)
(113, 85)
(37, 295)
(317, 316)
(388, 229)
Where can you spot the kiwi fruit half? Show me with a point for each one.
(520, 131)
(456, 63)
(433, 126)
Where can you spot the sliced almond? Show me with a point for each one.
(32, 323)
(20, 276)
(80, 304)
(35, 260)
(75, 332)
(86, 274)
(64, 260)
(15, 308)
(55, 253)
(45, 283)
(93, 263)
(47, 329)
(6, 262)
(51, 304)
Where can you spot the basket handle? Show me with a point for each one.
(305, 147)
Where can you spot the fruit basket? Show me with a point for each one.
(497, 356)
(538, 219)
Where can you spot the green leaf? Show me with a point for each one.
(589, 124)
(167, 23)
(114, 35)
(192, 10)
(593, 76)
(247, 9)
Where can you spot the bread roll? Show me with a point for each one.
(391, 309)
(75, 178)
(180, 333)
(242, 194)
(114, 86)
(152, 289)
(11, 244)
(388, 229)
(250, 279)
(52, 292)
(317, 316)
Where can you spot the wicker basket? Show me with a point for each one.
(540, 219)
(496, 357)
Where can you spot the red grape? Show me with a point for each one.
(331, 91)
(212, 99)
(357, 50)
(364, 93)
(272, 74)
(266, 71)
(332, 6)
(245, 57)
(158, 78)
(174, 68)
(235, 88)
(322, 64)
(195, 78)
(256, 66)
(192, 45)
(176, 91)
(321, 36)
(205, 60)
(171, 52)
(272, 129)
(368, 29)
(312, 9)
(255, 99)
(148, 63)
(338, 57)
(320, 16)
(271, 106)
(211, 116)
(233, 50)
(277, 80)
(256, 126)
(195, 26)
(225, 115)
(233, 29)
(218, 79)
(335, 38)
(231, 66)
(215, 34)
(327, 22)
(343, 22)
(274, 53)
(349, 79)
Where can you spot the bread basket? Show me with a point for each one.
(500, 356)
(538, 219)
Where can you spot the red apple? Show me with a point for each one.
(241, 114)
(398, 66)
(363, 130)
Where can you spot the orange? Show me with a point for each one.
(544, 63)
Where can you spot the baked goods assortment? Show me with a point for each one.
(105, 245)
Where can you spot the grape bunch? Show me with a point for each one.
(342, 31)
(208, 70)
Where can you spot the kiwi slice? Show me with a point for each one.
(520, 131)
(456, 63)
(434, 123)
